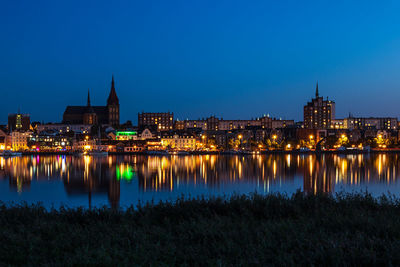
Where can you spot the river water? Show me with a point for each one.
(121, 181)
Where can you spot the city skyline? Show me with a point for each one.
(134, 120)
(196, 60)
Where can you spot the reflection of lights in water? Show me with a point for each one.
(394, 172)
(63, 167)
(320, 174)
(344, 168)
(380, 165)
(240, 170)
(86, 159)
(124, 172)
(19, 185)
(213, 161)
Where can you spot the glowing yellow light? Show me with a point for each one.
(343, 136)
(87, 137)
(288, 146)
(274, 136)
(240, 136)
(2, 147)
(87, 147)
(380, 136)
(311, 136)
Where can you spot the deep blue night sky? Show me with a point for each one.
(199, 58)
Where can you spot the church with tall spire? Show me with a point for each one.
(95, 115)
(319, 113)
(113, 105)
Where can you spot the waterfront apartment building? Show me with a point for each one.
(162, 121)
(49, 141)
(19, 140)
(19, 122)
(179, 141)
(63, 128)
(278, 124)
(216, 124)
(385, 123)
(319, 113)
(360, 123)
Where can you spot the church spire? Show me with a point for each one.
(88, 98)
(316, 91)
(112, 97)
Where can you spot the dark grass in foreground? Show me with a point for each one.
(261, 230)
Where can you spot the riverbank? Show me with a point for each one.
(259, 230)
(269, 152)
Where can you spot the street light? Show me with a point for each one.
(311, 136)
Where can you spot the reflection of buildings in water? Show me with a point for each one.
(80, 175)
(91, 176)
(168, 173)
(326, 171)
(318, 175)
(96, 177)
(321, 173)
(18, 175)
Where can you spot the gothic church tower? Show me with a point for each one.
(113, 106)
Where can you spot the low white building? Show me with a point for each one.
(180, 142)
(147, 134)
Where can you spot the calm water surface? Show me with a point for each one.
(119, 181)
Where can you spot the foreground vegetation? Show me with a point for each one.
(255, 230)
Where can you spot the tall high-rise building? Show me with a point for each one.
(19, 122)
(319, 113)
